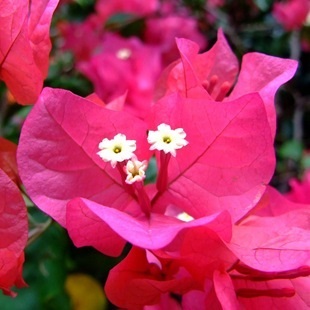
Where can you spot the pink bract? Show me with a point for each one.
(162, 31)
(209, 174)
(279, 235)
(91, 32)
(144, 274)
(25, 46)
(300, 189)
(152, 233)
(288, 234)
(65, 156)
(14, 234)
(124, 65)
(8, 159)
(214, 75)
(291, 14)
(280, 294)
(222, 276)
(225, 167)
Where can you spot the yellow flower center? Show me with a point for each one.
(167, 140)
(117, 149)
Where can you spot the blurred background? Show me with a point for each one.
(113, 46)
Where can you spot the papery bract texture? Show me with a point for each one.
(267, 262)
(202, 252)
(278, 294)
(273, 203)
(151, 232)
(229, 158)
(273, 243)
(228, 161)
(140, 279)
(195, 300)
(8, 159)
(270, 73)
(225, 290)
(275, 237)
(300, 189)
(166, 302)
(14, 233)
(213, 74)
(193, 69)
(57, 156)
(25, 46)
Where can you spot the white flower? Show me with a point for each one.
(185, 217)
(167, 139)
(117, 149)
(123, 53)
(135, 170)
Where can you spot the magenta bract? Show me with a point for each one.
(62, 162)
(228, 160)
(14, 234)
(291, 14)
(225, 166)
(214, 74)
(25, 46)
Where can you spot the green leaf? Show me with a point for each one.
(305, 162)
(263, 5)
(151, 172)
(291, 149)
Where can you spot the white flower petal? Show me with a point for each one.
(117, 149)
(167, 139)
(135, 170)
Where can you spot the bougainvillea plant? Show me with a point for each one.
(25, 46)
(300, 189)
(87, 167)
(214, 75)
(172, 177)
(260, 263)
(71, 153)
(122, 63)
(13, 221)
(283, 13)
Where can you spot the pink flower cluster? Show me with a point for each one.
(13, 221)
(210, 232)
(25, 46)
(115, 64)
(291, 14)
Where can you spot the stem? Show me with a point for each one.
(294, 43)
(143, 198)
(3, 110)
(162, 180)
(297, 120)
(128, 188)
(37, 231)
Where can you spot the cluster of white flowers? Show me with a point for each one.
(120, 149)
